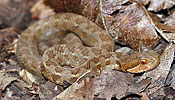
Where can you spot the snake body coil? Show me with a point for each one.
(96, 55)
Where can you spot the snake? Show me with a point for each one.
(68, 62)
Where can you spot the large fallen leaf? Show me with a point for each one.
(7, 36)
(133, 27)
(49, 90)
(17, 91)
(144, 97)
(78, 91)
(14, 13)
(170, 93)
(29, 78)
(40, 10)
(173, 78)
(5, 79)
(171, 19)
(117, 84)
(157, 5)
(166, 31)
(159, 74)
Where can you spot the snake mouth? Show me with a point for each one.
(139, 69)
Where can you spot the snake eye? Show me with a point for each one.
(143, 61)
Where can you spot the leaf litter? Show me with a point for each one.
(155, 84)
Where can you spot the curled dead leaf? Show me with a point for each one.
(171, 19)
(29, 78)
(7, 36)
(5, 79)
(14, 13)
(159, 74)
(78, 91)
(173, 78)
(166, 31)
(40, 10)
(157, 5)
(117, 84)
(134, 28)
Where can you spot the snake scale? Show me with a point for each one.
(67, 62)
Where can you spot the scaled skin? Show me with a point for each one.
(97, 55)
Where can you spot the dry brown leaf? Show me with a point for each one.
(49, 90)
(5, 79)
(117, 84)
(17, 91)
(144, 97)
(78, 91)
(158, 95)
(171, 19)
(157, 5)
(144, 2)
(173, 79)
(170, 37)
(166, 31)
(170, 93)
(134, 28)
(160, 73)
(14, 13)
(9, 95)
(112, 83)
(30, 78)
(40, 10)
(7, 36)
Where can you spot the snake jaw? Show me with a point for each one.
(145, 65)
(140, 68)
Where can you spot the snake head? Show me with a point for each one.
(142, 61)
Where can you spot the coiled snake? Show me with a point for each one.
(95, 55)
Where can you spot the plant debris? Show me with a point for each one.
(130, 23)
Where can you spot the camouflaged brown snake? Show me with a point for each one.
(95, 55)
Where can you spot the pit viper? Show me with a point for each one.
(67, 62)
